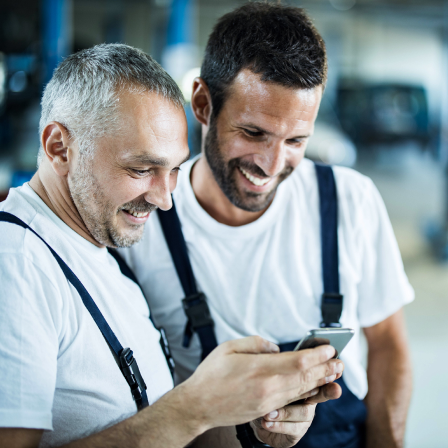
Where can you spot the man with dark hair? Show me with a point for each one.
(113, 134)
(277, 244)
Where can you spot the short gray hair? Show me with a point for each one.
(83, 93)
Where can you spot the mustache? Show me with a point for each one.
(138, 206)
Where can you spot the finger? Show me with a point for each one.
(251, 344)
(330, 391)
(304, 360)
(293, 413)
(296, 430)
(323, 373)
(308, 381)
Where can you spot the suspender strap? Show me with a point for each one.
(126, 361)
(332, 300)
(127, 271)
(194, 303)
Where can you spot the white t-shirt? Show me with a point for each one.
(265, 277)
(57, 371)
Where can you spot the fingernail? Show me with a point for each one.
(339, 367)
(273, 414)
(273, 348)
(269, 424)
(314, 392)
(329, 379)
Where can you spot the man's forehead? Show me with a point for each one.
(153, 130)
(270, 106)
(150, 111)
(249, 94)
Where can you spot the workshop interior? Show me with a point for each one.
(384, 113)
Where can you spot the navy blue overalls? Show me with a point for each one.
(123, 356)
(337, 424)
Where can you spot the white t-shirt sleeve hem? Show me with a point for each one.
(384, 313)
(25, 419)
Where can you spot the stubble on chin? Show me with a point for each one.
(99, 215)
(226, 172)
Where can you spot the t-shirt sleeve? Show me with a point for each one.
(28, 344)
(384, 287)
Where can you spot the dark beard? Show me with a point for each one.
(225, 175)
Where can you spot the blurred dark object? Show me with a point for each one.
(384, 114)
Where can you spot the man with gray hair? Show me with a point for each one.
(113, 135)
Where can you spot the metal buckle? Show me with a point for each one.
(331, 310)
(131, 372)
(197, 311)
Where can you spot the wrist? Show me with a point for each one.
(189, 408)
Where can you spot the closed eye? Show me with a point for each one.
(140, 172)
(297, 140)
(252, 133)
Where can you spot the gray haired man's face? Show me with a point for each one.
(131, 172)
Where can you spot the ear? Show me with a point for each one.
(201, 101)
(55, 142)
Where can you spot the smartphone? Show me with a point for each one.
(336, 337)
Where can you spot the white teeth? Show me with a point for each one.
(137, 214)
(255, 180)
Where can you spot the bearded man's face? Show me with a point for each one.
(259, 138)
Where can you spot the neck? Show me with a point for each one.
(54, 191)
(214, 201)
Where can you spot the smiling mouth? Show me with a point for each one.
(136, 214)
(259, 182)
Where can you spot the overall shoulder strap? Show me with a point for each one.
(332, 300)
(194, 303)
(124, 356)
(127, 272)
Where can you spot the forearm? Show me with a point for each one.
(390, 386)
(168, 422)
(224, 437)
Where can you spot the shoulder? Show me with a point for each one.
(20, 244)
(352, 186)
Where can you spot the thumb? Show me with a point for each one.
(251, 344)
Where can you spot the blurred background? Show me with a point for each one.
(385, 113)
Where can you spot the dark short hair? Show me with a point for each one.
(279, 42)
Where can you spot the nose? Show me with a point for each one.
(273, 159)
(159, 192)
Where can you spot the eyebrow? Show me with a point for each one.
(254, 126)
(145, 159)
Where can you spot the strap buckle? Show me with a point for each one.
(131, 372)
(331, 309)
(197, 310)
